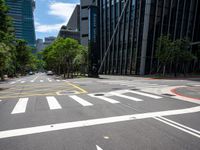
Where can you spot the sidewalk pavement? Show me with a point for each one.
(192, 92)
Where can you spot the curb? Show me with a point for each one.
(181, 95)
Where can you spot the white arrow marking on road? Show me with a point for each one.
(41, 80)
(20, 107)
(92, 122)
(23, 81)
(98, 148)
(58, 80)
(0, 100)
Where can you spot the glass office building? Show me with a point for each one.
(22, 13)
(133, 48)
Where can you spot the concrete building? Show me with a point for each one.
(22, 13)
(72, 29)
(49, 40)
(133, 47)
(84, 20)
(39, 45)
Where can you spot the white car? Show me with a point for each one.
(49, 73)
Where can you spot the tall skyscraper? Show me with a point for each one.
(22, 13)
(137, 25)
(84, 12)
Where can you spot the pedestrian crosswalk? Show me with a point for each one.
(35, 81)
(138, 84)
(53, 103)
(113, 97)
(20, 107)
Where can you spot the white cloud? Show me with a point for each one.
(56, 9)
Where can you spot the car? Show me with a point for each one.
(30, 73)
(49, 73)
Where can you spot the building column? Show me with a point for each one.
(145, 37)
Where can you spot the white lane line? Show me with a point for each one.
(13, 82)
(49, 80)
(23, 82)
(20, 107)
(53, 103)
(80, 100)
(41, 80)
(126, 97)
(179, 126)
(0, 100)
(145, 94)
(98, 148)
(58, 80)
(105, 99)
(34, 79)
(92, 122)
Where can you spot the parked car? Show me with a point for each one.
(49, 73)
(31, 73)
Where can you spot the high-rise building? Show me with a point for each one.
(39, 45)
(49, 40)
(138, 24)
(84, 20)
(22, 13)
(72, 29)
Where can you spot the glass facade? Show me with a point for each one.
(23, 20)
(137, 25)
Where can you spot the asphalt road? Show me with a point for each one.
(42, 112)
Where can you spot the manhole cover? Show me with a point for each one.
(134, 89)
(99, 95)
(168, 94)
(66, 92)
(116, 88)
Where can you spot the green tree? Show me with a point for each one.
(164, 53)
(65, 56)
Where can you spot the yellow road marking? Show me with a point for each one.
(77, 87)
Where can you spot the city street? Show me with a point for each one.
(41, 112)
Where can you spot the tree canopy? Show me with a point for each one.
(65, 56)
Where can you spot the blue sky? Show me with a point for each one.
(50, 15)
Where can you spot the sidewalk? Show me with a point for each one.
(188, 92)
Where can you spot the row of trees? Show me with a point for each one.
(176, 53)
(66, 56)
(15, 56)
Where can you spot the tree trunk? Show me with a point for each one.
(1, 74)
(164, 68)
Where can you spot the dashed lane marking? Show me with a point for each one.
(92, 122)
(12, 82)
(20, 107)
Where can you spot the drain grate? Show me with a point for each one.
(135, 89)
(168, 94)
(98, 94)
